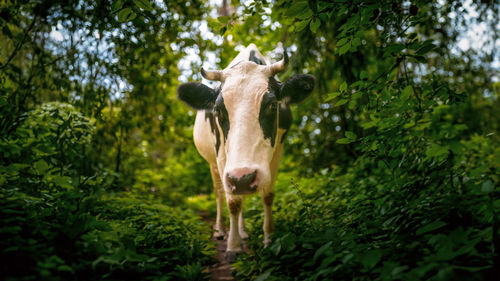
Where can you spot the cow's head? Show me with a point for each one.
(247, 108)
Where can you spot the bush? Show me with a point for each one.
(67, 236)
(358, 226)
(57, 224)
(48, 149)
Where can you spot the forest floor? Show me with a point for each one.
(221, 270)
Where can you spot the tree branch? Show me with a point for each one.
(19, 45)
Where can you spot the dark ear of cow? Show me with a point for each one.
(197, 95)
(298, 87)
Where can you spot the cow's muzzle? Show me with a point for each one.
(242, 181)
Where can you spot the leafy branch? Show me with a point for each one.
(20, 44)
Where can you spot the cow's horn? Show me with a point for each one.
(214, 75)
(280, 66)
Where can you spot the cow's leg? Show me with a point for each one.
(267, 199)
(234, 204)
(241, 224)
(219, 231)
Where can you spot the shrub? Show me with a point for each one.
(57, 224)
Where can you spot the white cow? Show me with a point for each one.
(239, 129)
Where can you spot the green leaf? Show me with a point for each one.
(323, 5)
(356, 42)
(343, 86)
(63, 181)
(436, 150)
(288, 242)
(223, 20)
(421, 59)
(342, 41)
(393, 49)
(347, 258)
(15, 167)
(275, 248)
(350, 135)
(369, 124)
(357, 95)
(214, 24)
(321, 250)
(399, 269)
(65, 268)
(323, 17)
(300, 25)
(405, 94)
(41, 166)
(333, 95)
(487, 187)
(430, 227)
(409, 124)
(264, 275)
(117, 5)
(371, 258)
(223, 30)
(363, 75)
(425, 49)
(126, 15)
(341, 102)
(143, 4)
(352, 104)
(315, 23)
(344, 48)
(344, 141)
(306, 15)
(297, 8)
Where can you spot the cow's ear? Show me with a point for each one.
(297, 88)
(197, 95)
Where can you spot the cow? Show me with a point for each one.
(239, 130)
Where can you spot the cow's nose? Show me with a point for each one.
(242, 180)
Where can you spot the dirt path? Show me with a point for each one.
(222, 269)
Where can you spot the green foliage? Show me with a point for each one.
(66, 236)
(356, 227)
(56, 224)
(47, 150)
(394, 158)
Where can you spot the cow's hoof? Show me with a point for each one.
(243, 235)
(232, 256)
(219, 235)
(266, 243)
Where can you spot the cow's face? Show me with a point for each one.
(246, 107)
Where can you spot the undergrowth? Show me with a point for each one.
(344, 227)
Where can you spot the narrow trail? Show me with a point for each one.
(221, 270)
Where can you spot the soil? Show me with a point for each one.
(222, 269)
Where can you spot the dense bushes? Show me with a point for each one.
(59, 223)
(356, 227)
(47, 150)
(66, 236)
